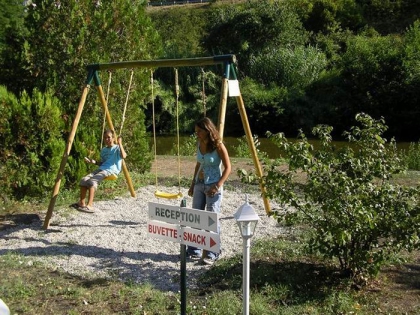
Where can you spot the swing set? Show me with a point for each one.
(230, 87)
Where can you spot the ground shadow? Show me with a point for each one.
(161, 270)
(294, 282)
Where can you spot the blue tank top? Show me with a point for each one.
(209, 165)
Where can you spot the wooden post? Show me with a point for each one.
(222, 108)
(65, 157)
(111, 126)
(251, 145)
(172, 63)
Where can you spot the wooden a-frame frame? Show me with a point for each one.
(228, 62)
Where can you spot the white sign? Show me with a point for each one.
(184, 235)
(201, 239)
(194, 218)
(233, 86)
(163, 231)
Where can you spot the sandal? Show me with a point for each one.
(75, 205)
(86, 209)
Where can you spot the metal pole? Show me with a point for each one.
(183, 272)
(245, 288)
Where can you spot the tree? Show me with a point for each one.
(12, 35)
(244, 30)
(65, 36)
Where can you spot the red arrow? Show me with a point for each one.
(212, 242)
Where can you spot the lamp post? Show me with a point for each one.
(247, 220)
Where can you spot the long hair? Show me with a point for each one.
(214, 136)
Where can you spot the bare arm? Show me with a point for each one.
(227, 167)
(123, 153)
(191, 190)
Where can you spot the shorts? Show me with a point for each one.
(93, 179)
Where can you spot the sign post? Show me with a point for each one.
(183, 250)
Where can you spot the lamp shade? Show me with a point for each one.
(247, 219)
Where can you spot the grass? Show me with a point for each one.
(285, 279)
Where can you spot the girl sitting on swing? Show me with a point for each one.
(110, 164)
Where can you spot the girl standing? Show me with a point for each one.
(207, 184)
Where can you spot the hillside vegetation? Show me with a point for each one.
(300, 64)
(329, 69)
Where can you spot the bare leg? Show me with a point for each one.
(91, 195)
(83, 192)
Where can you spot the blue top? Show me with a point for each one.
(209, 165)
(111, 159)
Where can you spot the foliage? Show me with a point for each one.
(374, 77)
(244, 29)
(242, 149)
(11, 20)
(374, 74)
(184, 27)
(300, 63)
(411, 158)
(293, 68)
(320, 15)
(263, 106)
(283, 281)
(355, 213)
(390, 16)
(70, 35)
(12, 41)
(189, 146)
(31, 143)
(411, 59)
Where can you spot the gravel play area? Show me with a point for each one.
(113, 241)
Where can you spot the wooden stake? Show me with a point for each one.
(223, 105)
(251, 145)
(65, 157)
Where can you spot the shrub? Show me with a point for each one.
(353, 211)
(31, 129)
(242, 149)
(411, 158)
(188, 147)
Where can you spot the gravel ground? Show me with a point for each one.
(113, 242)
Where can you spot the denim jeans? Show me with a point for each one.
(203, 202)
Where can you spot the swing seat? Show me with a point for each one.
(161, 194)
(111, 177)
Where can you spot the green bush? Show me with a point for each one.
(289, 67)
(188, 147)
(411, 158)
(31, 143)
(353, 211)
(321, 14)
(242, 149)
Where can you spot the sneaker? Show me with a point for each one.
(193, 256)
(213, 256)
(193, 253)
